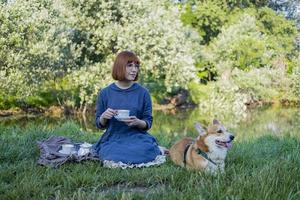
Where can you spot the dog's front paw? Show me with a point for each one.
(221, 168)
(212, 169)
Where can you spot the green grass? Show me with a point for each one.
(261, 165)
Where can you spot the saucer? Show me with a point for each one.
(122, 118)
(67, 153)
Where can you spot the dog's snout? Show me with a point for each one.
(231, 137)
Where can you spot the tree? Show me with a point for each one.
(34, 45)
(206, 17)
(70, 45)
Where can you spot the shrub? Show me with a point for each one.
(295, 82)
(76, 41)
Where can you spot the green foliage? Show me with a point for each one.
(152, 30)
(7, 102)
(61, 52)
(224, 99)
(238, 88)
(246, 3)
(198, 91)
(253, 56)
(35, 101)
(207, 18)
(232, 4)
(265, 84)
(252, 42)
(295, 82)
(76, 41)
(239, 34)
(37, 44)
(240, 45)
(281, 33)
(61, 91)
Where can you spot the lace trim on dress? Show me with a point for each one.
(160, 159)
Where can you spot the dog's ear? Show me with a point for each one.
(199, 129)
(216, 122)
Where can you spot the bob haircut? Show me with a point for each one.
(119, 67)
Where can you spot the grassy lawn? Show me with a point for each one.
(259, 166)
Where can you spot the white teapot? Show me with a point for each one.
(84, 149)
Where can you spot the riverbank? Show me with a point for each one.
(64, 110)
(167, 107)
(259, 155)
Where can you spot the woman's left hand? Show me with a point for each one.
(135, 122)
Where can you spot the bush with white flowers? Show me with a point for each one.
(75, 42)
(151, 29)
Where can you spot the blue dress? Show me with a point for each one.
(120, 142)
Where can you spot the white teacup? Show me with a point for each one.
(121, 114)
(67, 148)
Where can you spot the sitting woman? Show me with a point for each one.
(126, 142)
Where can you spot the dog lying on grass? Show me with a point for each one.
(207, 152)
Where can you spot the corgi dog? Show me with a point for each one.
(207, 152)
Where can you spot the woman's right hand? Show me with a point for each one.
(108, 114)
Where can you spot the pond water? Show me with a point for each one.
(180, 123)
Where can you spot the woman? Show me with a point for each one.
(126, 143)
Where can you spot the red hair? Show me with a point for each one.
(119, 67)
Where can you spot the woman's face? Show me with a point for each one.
(132, 70)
